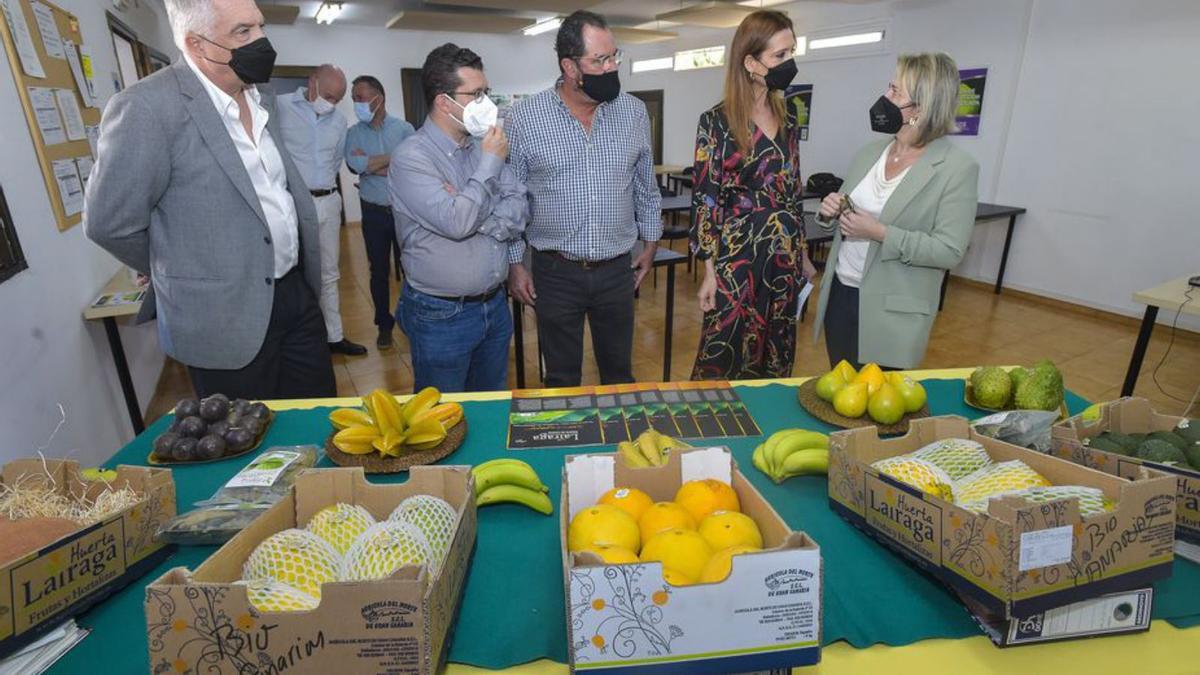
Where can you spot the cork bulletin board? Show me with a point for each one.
(53, 88)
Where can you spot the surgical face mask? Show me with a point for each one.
(478, 115)
(252, 62)
(362, 110)
(320, 105)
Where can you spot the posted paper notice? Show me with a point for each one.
(45, 109)
(70, 114)
(70, 188)
(31, 63)
(51, 39)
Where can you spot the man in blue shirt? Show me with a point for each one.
(369, 146)
(458, 207)
(582, 148)
(314, 133)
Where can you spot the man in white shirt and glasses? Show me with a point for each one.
(315, 135)
(191, 187)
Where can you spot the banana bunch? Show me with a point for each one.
(386, 426)
(650, 449)
(512, 481)
(792, 452)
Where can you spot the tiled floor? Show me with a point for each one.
(975, 327)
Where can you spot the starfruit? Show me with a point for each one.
(390, 444)
(343, 418)
(356, 440)
(448, 414)
(424, 434)
(386, 411)
(420, 402)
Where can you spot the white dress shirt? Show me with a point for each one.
(261, 158)
(870, 195)
(316, 143)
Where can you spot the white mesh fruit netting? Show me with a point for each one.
(340, 524)
(1091, 500)
(269, 595)
(921, 474)
(434, 517)
(998, 478)
(383, 549)
(958, 457)
(296, 557)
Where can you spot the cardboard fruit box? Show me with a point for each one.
(70, 573)
(1027, 572)
(625, 618)
(202, 622)
(1130, 415)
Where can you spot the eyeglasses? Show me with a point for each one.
(477, 95)
(602, 62)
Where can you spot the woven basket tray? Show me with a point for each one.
(823, 410)
(377, 463)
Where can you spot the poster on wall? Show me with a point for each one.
(970, 100)
(505, 102)
(799, 97)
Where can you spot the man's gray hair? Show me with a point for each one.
(186, 16)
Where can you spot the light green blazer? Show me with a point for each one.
(929, 220)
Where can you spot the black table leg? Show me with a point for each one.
(1139, 350)
(118, 355)
(670, 323)
(519, 341)
(1012, 221)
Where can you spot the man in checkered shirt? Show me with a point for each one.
(582, 149)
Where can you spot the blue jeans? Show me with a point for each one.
(456, 346)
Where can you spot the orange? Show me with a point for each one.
(664, 516)
(630, 500)
(729, 528)
(684, 551)
(604, 525)
(702, 497)
(613, 555)
(721, 563)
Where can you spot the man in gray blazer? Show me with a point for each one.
(191, 186)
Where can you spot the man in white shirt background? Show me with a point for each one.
(191, 187)
(315, 135)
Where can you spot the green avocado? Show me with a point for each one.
(1191, 432)
(1169, 437)
(1127, 442)
(1155, 450)
(1103, 442)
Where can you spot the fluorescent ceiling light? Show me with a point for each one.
(543, 26)
(846, 40)
(705, 57)
(801, 45)
(328, 11)
(654, 64)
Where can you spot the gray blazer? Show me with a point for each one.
(169, 196)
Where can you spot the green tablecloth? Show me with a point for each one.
(518, 551)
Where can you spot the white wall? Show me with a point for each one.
(1085, 119)
(514, 64)
(49, 355)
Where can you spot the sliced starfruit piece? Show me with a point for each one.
(420, 402)
(387, 412)
(425, 433)
(343, 418)
(390, 444)
(356, 440)
(448, 414)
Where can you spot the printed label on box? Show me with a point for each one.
(55, 580)
(1043, 548)
(626, 613)
(1115, 613)
(905, 518)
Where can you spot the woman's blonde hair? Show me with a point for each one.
(751, 38)
(931, 80)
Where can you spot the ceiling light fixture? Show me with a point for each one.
(846, 40)
(328, 11)
(542, 26)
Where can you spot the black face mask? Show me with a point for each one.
(886, 117)
(601, 88)
(252, 62)
(781, 75)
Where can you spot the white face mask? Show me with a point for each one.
(478, 115)
(320, 105)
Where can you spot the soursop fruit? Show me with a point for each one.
(991, 386)
(1041, 390)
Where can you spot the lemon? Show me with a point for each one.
(613, 555)
(630, 500)
(885, 406)
(851, 401)
(603, 524)
(721, 563)
(664, 516)
(702, 497)
(684, 551)
(729, 528)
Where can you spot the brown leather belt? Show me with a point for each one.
(482, 297)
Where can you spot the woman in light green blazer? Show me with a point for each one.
(905, 219)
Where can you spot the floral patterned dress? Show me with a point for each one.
(747, 217)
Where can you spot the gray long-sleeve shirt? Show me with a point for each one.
(456, 209)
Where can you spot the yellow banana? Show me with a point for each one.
(647, 444)
(632, 456)
(350, 417)
(356, 440)
(534, 499)
(420, 402)
(666, 444)
(804, 462)
(797, 440)
(759, 459)
(516, 473)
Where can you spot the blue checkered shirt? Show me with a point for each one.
(590, 196)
